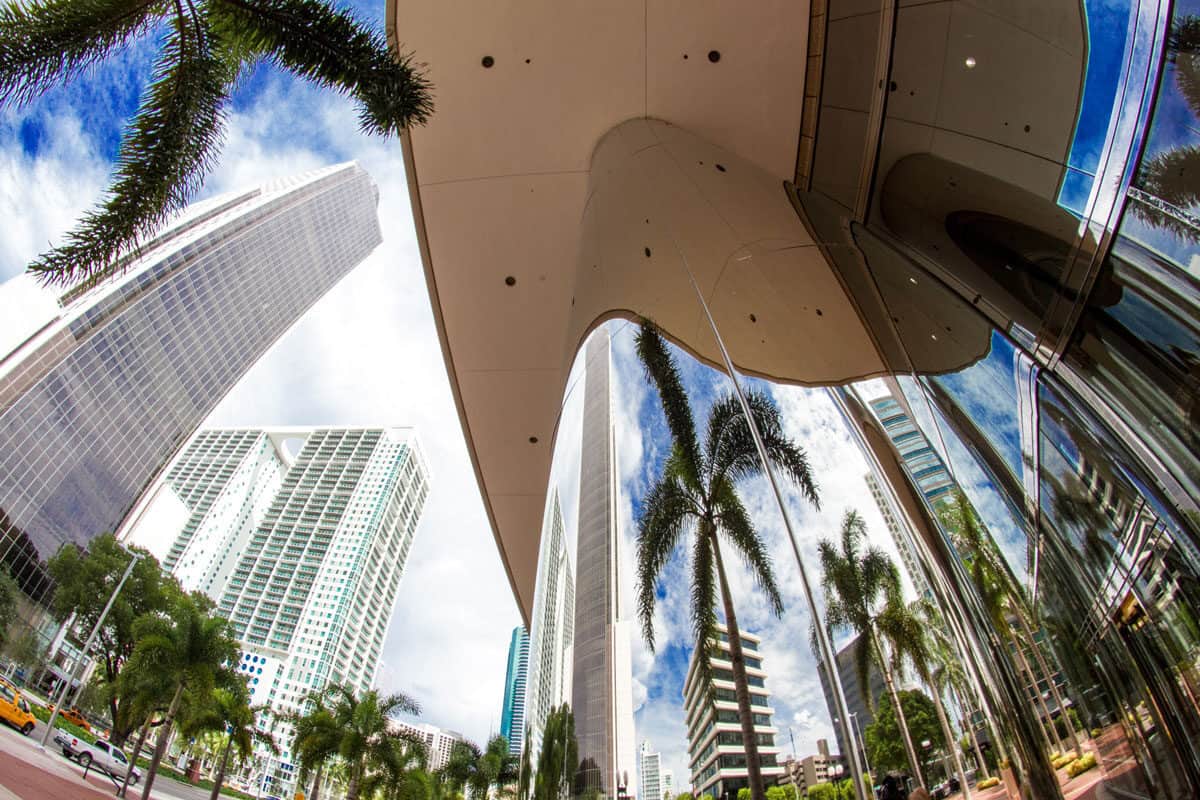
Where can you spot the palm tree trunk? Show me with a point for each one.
(901, 723)
(352, 785)
(1045, 721)
(967, 723)
(219, 781)
(1058, 701)
(161, 747)
(137, 751)
(315, 792)
(741, 689)
(951, 742)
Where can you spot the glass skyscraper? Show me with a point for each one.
(116, 374)
(512, 715)
(551, 654)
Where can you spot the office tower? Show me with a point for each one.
(668, 784)
(602, 686)
(551, 653)
(716, 755)
(512, 716)
(650, 773)
(114, 374)
(859, 703)
(1001, 217)
(901, 537)
(438, 741)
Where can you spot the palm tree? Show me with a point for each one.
(190, 647)
(697, 492)
(173, 142)
(525, 772)
(366, 739)
(859, 585)
(227, 711)
(906, 630)
(558, 757)
(948, 674)
(315, 740)
(146, 692)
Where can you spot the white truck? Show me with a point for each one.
(99, 755)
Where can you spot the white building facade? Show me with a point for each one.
(438, 741)
(651, 773)
(716, 756)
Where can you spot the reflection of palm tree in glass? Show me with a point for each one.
(1174, 175)
(856, 581)
(698, 487)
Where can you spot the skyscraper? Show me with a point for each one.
(512, 716)
(923, 463)
(602, 687)
(902, 539)
(551, 651)
(715, 751)
(105, 381)
(650, 772)
(308, 584)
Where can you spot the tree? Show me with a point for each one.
(227, 712)
(558, 757)
(859, 584)
(8, 604)
(882, 737)
(208, 45)
(315, 740)
(697, 492)
(84, 583)
(779, 793)
(190, 648)
(366, 740)
(525, 773)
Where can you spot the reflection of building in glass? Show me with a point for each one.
(550, 659)
(112, 378)
(650, 773)
(512, 715)
(860, 704)
(904, 544)
(602, 686)
(716, 755)
(922, 461)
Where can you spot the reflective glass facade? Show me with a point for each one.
(95, 403)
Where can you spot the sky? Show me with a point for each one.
(368, 354)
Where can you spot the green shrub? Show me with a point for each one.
(1061, 761)
(1081, 765)
(988, 783)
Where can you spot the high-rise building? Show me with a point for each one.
(923, 463)
(602, 687)
(650, 773)
(668, 784)
(438, 741)
(902, 539)
(551, 651)
(859, 702)
(512, 715)
(820, 767)
(716, 755)
(308, 583)
(105, 381)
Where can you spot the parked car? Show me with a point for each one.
(99, 755)
(75, 717)
(945, 788)
(14, 709)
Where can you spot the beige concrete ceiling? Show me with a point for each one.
(504, 184)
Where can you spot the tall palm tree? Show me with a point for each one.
(315, 740)
(948, 673)
(698, 493)
(191, 648)
(366, 737)
(905, 628)
(227, 711)
(146, 693)
(859, 583)
(208, 44)
(558, 757)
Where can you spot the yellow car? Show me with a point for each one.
(75, 717)
(14, 710)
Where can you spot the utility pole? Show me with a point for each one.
(87, 648)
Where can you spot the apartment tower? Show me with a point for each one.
(512, 715)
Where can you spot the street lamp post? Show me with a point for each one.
(861, 742)
(87, 648)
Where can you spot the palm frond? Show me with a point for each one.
(47, 43)
(735, 523)
(665, 511)
(330, 47)
(661, 369)
(163, 158)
